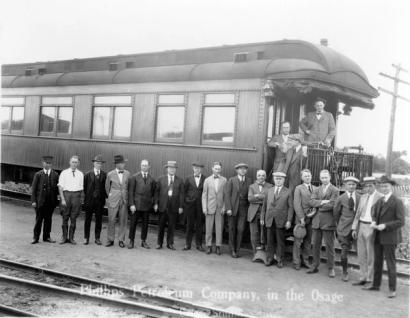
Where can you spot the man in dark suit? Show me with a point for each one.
(169, 200)
(236, 205)
(141, 192)
(44, 199)
(344, 213)
(277, 214)
(194, 185)
(296, 159)
(323, 223)
(387, 219)
(94, 199)
(319, 126)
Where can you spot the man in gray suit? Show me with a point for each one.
(319, 126)
(213, 206)
(277, 214)
(116, 187)
(256, 194)
(344, 213)
(362, 231)
(323, 224)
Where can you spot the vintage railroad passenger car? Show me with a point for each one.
(218, 103)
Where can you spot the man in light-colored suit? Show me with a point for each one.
(344, 213)
(116, 187)
(213, 206)
(319, 126)
(256, 194)
(301, 204)
(277, 214)
(363, 232)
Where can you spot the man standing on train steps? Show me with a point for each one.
(141, 192)
(193, 188)
(116, 186)
(237, 204)
(169, 200)
(44, 199)
(71, 186)
(94, 199)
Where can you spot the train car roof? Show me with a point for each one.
(289, 63)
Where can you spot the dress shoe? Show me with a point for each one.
(234, 255)
(345, 277)
(98, 242)
(279, 264)
(391, 294)
(35, 241)
(186, 248)
(269, 262)
(72, 242)
(304, 265)
(200, 248)
(209, 250)
(49, 240)
(297, 267)
(159, 247)
(109, 243)
(313, 270)
(145, 245)
(371, 287)
(332, 273)
(131, 244)
(359, 283)
(121, 244)
(170, 247)
(86, 241)
(63, 241)
(218, 250)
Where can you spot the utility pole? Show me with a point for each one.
(395, 95)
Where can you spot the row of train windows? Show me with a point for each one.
(115, 122)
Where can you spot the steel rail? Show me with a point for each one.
(14, 312)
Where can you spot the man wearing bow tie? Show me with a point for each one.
(319, 126)
(116, 186)
(44, 199)
(71, 186)
(193, 188)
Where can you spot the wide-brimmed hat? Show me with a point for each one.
(386, 179)
(299, 231)
(351, 178)
(47, 159)
(241, 165)
(198, 164)
(369, 180)
(279, 174)
(171, 164)
(98, 158)
(119, 159)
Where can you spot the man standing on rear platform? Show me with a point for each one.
(141, 192)
(323, 224)
(277, 214)
(296, 159)
(237, 204)
(344, 213)
(387, 220)
(71, 186)
(44, 199)
(169, 200)
(94, 199)
(116, 186)
(364, 233)
(193, 188)
(213, 205)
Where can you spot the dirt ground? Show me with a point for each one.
(237, 285)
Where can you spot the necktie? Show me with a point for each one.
(74, 173)
(276, 191)
(216, 177)
(144, 176)
(98, 175)
(310, 188)
(197, 176)
(351, 203)
(121, 171)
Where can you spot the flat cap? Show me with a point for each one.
(279, 174)
(299, 231)
(171, 164)
(47, 158)
(198, 164)
(241, 165)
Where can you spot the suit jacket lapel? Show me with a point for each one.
(386, 205)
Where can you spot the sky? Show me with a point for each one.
(372, 33)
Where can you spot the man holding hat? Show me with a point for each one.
(116, 186)
(387, 220)
(193, 187)
(169, 200)
(363, 232)
(236, 204)
(44, 199)
(276, 215)
(296, 159)
(94, 198)
(344, 213)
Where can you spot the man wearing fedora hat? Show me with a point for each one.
(94, 198)
(169, 200)
(344, 213)
(387, 220)
(237, 204)
(116, 186)
(363, 232)
(193, 187)
(44, 199)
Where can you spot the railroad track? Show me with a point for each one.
(140, 301)
(7, 311)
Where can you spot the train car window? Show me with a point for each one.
(12, 114)
(168, 99)
(101, 122)
(218, 124)
(170, 123)
(122, 122)
(47, 119)
(112, 122)
(56, 120)
(5, 118)
(220, 99)
(64, 120)
(17, 118)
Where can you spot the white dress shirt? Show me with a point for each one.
(277, 189)
(120, 175)
(285, 138)
(170, 178)
(47, 172)
(387, 196)
(216, 183)
(325, 187)
(197, 179)
(318, 116)
(353, 195)
(367, 216)
(97, 172)
(71, 180)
